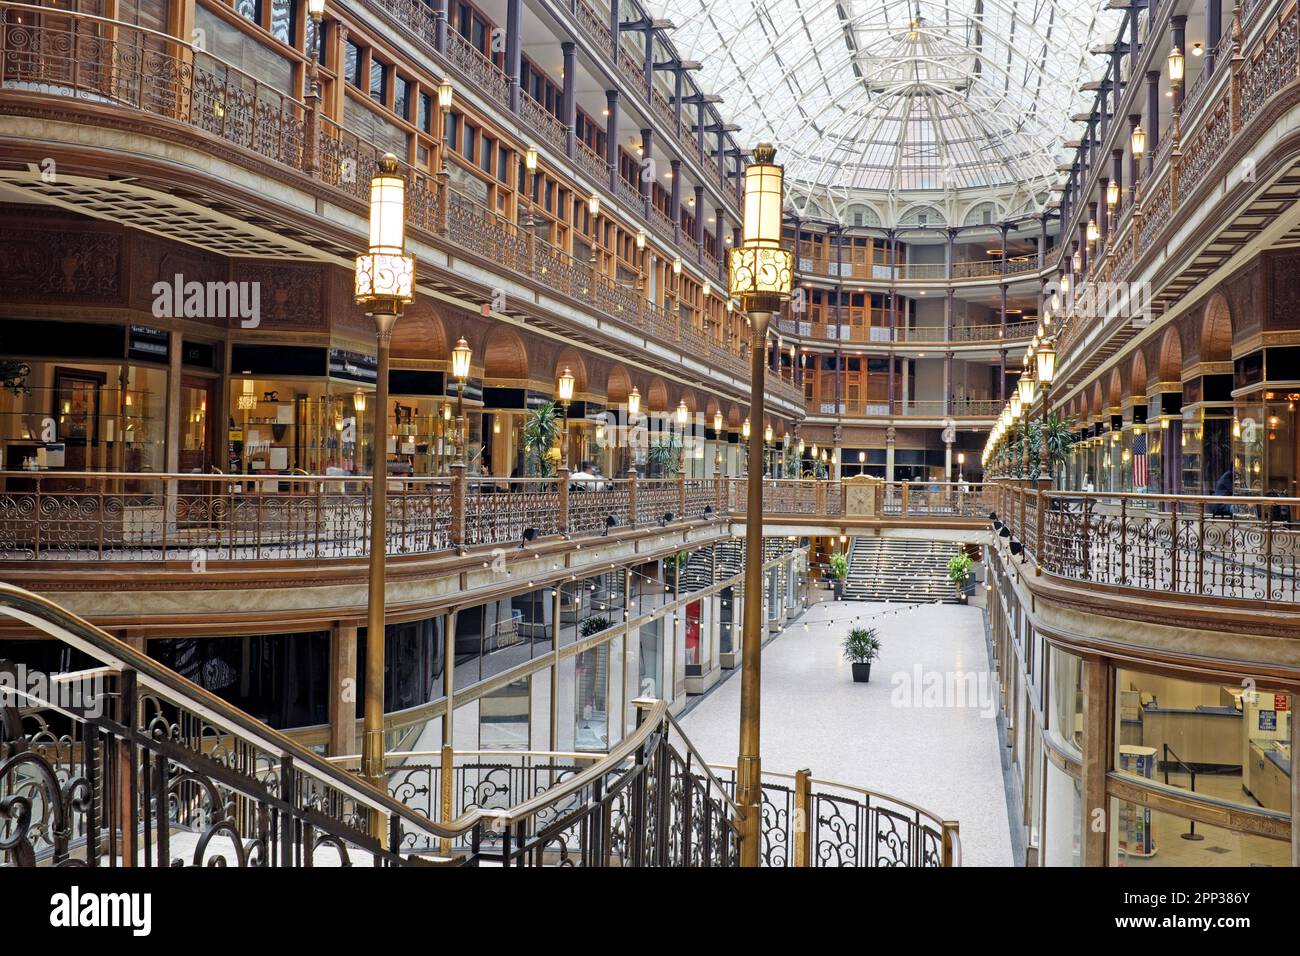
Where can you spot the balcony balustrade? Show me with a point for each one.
(878, 331)
(916, 271)
(1236, 548)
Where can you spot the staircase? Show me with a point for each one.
(900, 571)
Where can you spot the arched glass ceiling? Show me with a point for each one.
(900, 95)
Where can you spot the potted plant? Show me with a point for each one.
(594, 625)
(541, 430)
(960, 573)
(839, 571)
(861, 647)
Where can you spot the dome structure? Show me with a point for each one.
(902, 96)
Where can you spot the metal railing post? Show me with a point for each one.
(445, 791)
(458, 506)
(562, 520)
(951, 843)
(632, 517)
(803, 818)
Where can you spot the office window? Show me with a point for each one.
(378, 81)
(471, 142)
(352, 64)
(503, 164)
(486, 153)
(250, 10)
(449, 131)
(284, 18)
(425, 117)
(401, 97)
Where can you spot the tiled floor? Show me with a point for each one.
(879, 735)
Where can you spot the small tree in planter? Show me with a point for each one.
(839, 571)
(960, 572)
(861, 647)
(594, 625)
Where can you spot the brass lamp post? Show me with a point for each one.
(315, 10)
(761, 274)
(460, 357)
(564, 385)
(1046, 361)
(717, 440)
(683, 413)
(384, 282)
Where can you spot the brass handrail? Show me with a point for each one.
(58, 622)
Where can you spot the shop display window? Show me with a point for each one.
(1225, 741)
(1146, 837)
(71, 416)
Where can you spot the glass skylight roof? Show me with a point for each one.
(900, 95)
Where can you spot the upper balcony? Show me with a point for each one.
(302, 179)
(1216, 175)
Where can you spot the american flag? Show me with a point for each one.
(1141, 471)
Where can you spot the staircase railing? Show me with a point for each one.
(116, 760)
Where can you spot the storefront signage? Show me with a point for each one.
(147, 344)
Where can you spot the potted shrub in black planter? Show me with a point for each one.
(861, 647)
(839, 571)
(960, 573)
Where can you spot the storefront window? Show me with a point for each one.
(1264, 445)
(591, 699)
(1223, 741)
(75, 416)
(1145, 837)
(1063, 812)
(1067, 699)
(503, 717)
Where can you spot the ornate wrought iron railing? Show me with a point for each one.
(119, 761)
(1213, 547)
(202, 520)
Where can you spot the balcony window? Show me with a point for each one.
(378, 81)
(352, 60)
(424, 118)
(250, 10)
(402, 97)
(284, 20)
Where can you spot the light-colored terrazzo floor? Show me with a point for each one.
(943, 758)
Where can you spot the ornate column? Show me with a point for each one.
(611, 131)
(514, 48)
(569, 103)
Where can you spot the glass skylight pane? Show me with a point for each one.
(983, 89)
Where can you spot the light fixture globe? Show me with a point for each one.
(316, 9)
(1046, 358)
(1138, 141)
(683, 413)
(565, 382)
(385, 275)
(744, 430)
(460, 359)
(593, 204)
(767, 434)
(1025, 388)
(761, 271)
(717, 422)
(634, 402)
(1015, 405)
(1112, 193)
(446, 92)
(1177, 67)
